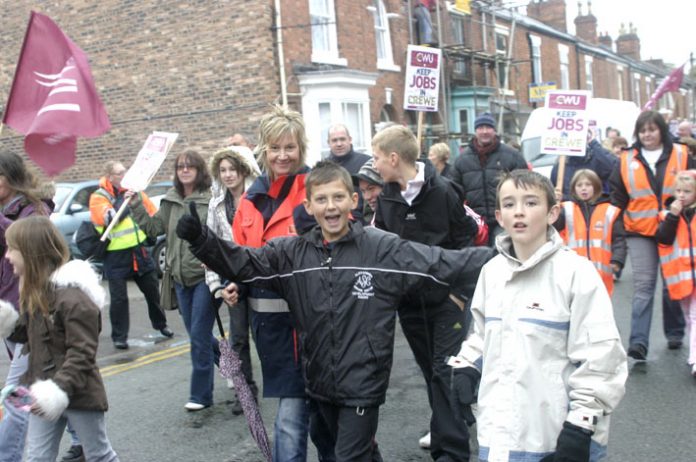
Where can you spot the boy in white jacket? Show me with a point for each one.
(545, 345)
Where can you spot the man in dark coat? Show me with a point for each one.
(478, 168)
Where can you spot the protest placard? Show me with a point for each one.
(566, 126)
(149, 160)
(422, 84)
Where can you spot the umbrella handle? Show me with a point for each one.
(219, 323)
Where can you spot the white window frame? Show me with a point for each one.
(327, 21)
(619, 82)
(457, 23)
(636, 88)
(383, 36)
(337, 89)
(564, 64)
(589, 75)
(536, 58)
(502, 55)
(648, 84)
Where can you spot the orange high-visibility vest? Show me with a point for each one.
(592, 240)
(677, 260)
(641, 214)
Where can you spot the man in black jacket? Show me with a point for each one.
(419, 205)
(341, 146)
(478, 168)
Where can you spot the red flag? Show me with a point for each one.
(671, 83)
(53, 98)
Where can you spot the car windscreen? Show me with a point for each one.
(62, 193)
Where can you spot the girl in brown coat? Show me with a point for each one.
(59, 321)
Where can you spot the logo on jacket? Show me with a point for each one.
(598, 226)
(363, 288)
(411, 216)
(535, 306)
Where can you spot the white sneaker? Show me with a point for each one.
(425, 441)
(194, 406)
(230, 384)
(693, 370)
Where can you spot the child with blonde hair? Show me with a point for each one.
(592, 227)
(675, 235)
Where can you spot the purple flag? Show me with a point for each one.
(53, 98)
(671, 83)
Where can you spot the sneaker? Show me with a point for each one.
(638, 352)
(693, 370)
(120, 344)
(230, 384)
(674, 344)
(74, 454)
(192, 407)
(425, 441)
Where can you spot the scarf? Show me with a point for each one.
(483, 151)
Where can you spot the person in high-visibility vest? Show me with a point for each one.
(592, 227)
(676, 236)
(640, 185)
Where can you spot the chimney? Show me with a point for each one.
(606, 41)
(550, 12)
(628, 43)
(586, 25)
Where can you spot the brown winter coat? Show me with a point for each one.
(63, 346)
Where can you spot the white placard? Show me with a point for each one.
(421, 89)
(565, 128)
(149, 160)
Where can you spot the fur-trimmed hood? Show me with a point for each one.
(80, 274)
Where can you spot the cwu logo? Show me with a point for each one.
(363, 288)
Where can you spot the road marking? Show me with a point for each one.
(145, 360)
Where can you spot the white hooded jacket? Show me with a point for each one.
(546, 343)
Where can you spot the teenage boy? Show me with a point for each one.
(419, 205)
(544, 331)
(342, 283)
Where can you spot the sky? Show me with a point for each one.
(664, 26)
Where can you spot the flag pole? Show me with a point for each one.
(115, 219)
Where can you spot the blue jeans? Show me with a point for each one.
(13, 426)
(44, 437)
(645, 262)
(290, 431)
(198, 314)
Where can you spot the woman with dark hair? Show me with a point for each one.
(191, 185)
(20, 197)
(642, 185)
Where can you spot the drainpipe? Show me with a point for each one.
(281, 56)
(443, 74)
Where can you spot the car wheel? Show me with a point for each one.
(160, 254)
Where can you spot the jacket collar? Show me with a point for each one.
(262, 184)
(503, 243)
(316, 238)
(80, 274)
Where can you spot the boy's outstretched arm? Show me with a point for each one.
(229, 260)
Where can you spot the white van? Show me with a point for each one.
(612, 113)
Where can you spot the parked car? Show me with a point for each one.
(72, 208)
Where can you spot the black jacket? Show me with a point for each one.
(619, 194)
(436, 216)
(479, 183)
(618, 234)
(667, 231)
(344, 297)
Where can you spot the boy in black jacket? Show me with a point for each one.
(421, 206)
(342, 283)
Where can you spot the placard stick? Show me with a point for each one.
(419, 130)
(114, 220)
(561, 173)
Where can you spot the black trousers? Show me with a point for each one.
(434, 333)
(239, 336)
(119, 309)
(352, 430)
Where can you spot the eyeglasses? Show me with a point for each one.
(182, 167)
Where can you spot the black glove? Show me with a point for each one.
(189, 227)
(573, 445)
(463, 393)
